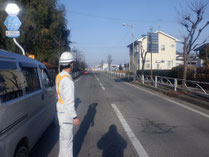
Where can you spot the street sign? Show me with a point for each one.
(12, 34)
(12, 23)
(12, 9)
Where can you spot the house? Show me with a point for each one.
(162, 46)
(105, 67)
(193, 60)
(203, 53)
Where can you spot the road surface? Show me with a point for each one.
(121, 120)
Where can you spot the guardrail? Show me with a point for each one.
(197, 87)
(76, 74)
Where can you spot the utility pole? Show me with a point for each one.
(151, 49)
(134, 68)
(133, 64)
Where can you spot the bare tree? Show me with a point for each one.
(102, 64)
(109, 61)
(78, 55)
(194, 22)
(143, 56)
(80, 63)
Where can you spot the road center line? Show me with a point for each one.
(102, 86)
(137, 145)
(179, 104)
(96, 77)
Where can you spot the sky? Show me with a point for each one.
(97, 30)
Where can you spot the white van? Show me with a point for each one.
(27, 103)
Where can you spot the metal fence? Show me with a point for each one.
(197, 87)
(75, 74)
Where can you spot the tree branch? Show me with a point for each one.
(200, 30)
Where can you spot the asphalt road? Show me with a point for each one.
(119, 120)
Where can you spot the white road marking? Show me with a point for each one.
(102, 86)
(179, 104)
(77, 79)
(96, 77)
(137, 145)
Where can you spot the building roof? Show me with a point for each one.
(200, 48)
(167, 35)
(135, 43)
(142, 38)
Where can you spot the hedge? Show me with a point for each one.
(197, 74)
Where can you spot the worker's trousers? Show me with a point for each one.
(66, 140)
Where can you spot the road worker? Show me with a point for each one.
(66, 113)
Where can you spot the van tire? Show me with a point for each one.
(21, 151)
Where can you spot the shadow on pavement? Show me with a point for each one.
(112, 143)
(123, 80)
(49, 139)
(77, 102)
(119, 80)
(46, 143)
(83, 129)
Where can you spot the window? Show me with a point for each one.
(147, 65)
(30, 79)
(158, 66)
(172, 45)
(162, 47)
(10, 84)
(45, 78)
(170, 63)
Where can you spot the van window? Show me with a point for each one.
(30, 79)
(10, 84)
(45, 78)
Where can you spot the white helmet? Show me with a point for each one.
(66, 58)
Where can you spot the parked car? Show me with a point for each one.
(85, 72)
(27, 103)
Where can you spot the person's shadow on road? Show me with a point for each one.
(77, 102)
(112, 143)
(83, 129)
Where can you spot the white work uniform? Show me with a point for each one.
(65, 113)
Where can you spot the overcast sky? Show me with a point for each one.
(97, 31)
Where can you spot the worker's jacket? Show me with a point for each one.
(66, 98)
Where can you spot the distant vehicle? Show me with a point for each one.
(85, 72)
(27, 103)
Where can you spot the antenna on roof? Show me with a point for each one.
(158, 26)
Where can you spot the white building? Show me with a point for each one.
(163, 48)
(105, 67)
(193, 60)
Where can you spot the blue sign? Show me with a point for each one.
(12, 23)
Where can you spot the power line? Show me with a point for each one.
(120, 19)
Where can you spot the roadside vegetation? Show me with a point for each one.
(193, 73)
(43, 32)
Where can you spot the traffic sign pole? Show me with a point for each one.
(13, 24)
(15, 41)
